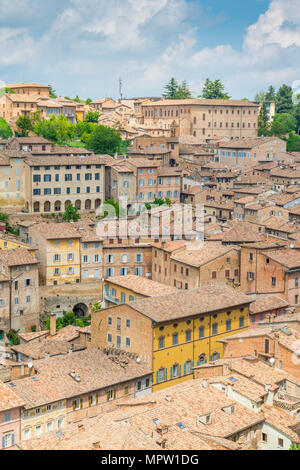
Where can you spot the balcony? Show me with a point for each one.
(111, 299)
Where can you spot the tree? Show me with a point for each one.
(171, 90)
(293, 143)
(263, 120)
(5, 130)
(105, 140)
(25, 124)
(96, 307)
(158, 202)
(297, 117)
(283, 124)
(71, 213)
(271, 94)
(183, 91)
(57, 129)
(92, 116)
(52, 92)
(88, 101)
(260, 96)
(214, 90)
(3, 217)
(284, 100)
(69, 318)
(13, 337)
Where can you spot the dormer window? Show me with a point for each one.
(204, 419)
(230, 410)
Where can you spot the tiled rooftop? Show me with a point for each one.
(142, 285)
(190, 302)
(95, 369)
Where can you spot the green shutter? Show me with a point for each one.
(179, 370)
(184, 368)
(171, 373)
(166, 374)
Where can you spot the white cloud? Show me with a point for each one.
(87, 44)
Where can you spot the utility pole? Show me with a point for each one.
(121, 88)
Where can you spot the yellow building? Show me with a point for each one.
(9, 243)
(174, 332)
(124, 289)
(58, 250)
(39, 420)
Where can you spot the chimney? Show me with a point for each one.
(52, 324)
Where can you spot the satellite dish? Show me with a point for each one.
(30, 365)
(272, 360)
(138, 360)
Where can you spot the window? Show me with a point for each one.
(49, 426)
(201, 332)
(175, 339)
(188, 336)
(228, 325)
(8, 440)
(127, 323)
(174, 371)
(242, 322)
(93, 400)
(109, 338)
(38, 430)
(273, 281)
(264, 437)
(214, 275)
(7, 417)
(161, 342)
(128, 342)
(60, 423)
(111, 395)
(215, 329)
(280, 443)
(77, 404)
(161, 375)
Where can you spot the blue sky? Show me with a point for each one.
(83, 46)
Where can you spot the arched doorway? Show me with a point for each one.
(80, 310)
(97, 203)
(88, 205)
(47, 206)
(36, 207)
(67, 203)
(57, 206)
(78, 205)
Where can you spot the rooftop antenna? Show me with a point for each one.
(121, 88)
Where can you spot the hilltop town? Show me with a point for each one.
(149, 275)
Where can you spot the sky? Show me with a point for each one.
(82, 47)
